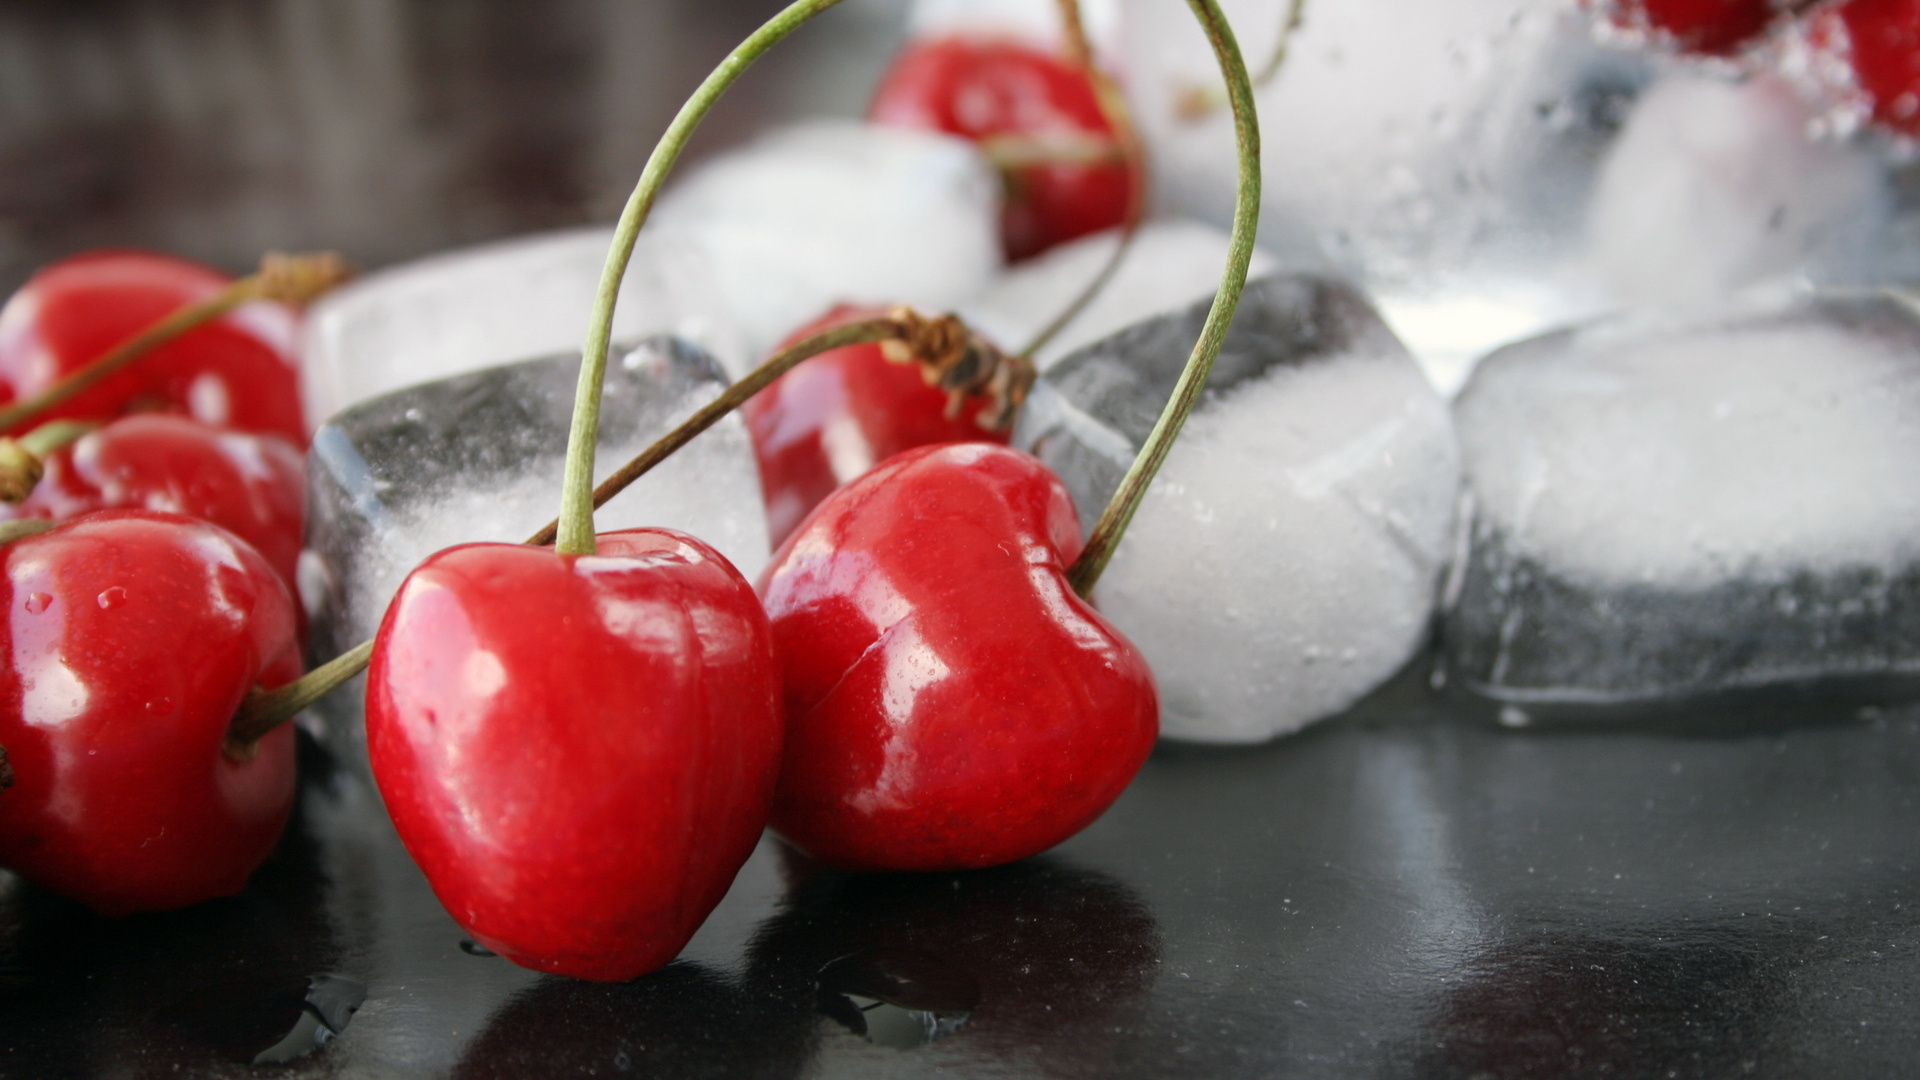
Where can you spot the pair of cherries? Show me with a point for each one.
(580, 751)
(135, 629)
(1865, 51)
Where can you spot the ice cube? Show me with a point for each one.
(1440, 154)
(1285, 560)
(736, 254)
(1713, 185)
(491, 304)
(1169, 265)
(479, 457)
(833, 211)
(1669, 506)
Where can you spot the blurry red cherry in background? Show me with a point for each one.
(841, 413)
(1707, 27)
(131, 638)
(1869, 51)
(1015, 99)
(951, 704)
(254, 486)
(238, 371)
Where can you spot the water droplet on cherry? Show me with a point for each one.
(160, 706)
(37, 602)
(112, 597)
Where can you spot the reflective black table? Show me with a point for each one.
(1410, 890)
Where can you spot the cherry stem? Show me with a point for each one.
(292, 279)
(22, 528)
(731, 398)
(576, 494)
(264, 710)
(1114, 105)
(1086, 570)
(22, 461)
(1202, 101)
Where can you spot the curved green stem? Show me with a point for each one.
(1120, 509)
(576, 497)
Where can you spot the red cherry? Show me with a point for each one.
(1705, 27)
(841, 413)
(1871, 48)
(577, 750)
(237, 371)
(980, 89)
(254, 486)
(131, 638)
(951, 704)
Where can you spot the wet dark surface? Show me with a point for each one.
(1410, 891)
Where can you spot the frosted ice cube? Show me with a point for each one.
(479, 457)
(1169, 265)
(836, 211)
(736, 254)
(489, 304)
(1285, 560)
(1438, 153)
(1667, 506)
(1713, 185)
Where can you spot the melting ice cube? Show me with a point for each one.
(480, 457)
(1285, 560)
(1671, 506)
(736, 254)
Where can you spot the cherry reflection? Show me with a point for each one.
(1036, 964)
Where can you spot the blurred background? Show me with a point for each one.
(381, 128)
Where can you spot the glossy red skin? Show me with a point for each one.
(579, 752)
(1705, 27)
(1880, 41)
(131, 638)
(951, 704)
(238, 371)
(841, 413)
(981, 87)
(254, 486)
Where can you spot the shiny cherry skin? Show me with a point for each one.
(1877, 43)
(1701, 27)
(131, 638)
(577, 750)
(238, 371)
(982, 88)
(254, 486)
(951, 704)
(841, 413)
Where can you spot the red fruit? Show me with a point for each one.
(1706, 27)
(131, 639)
(578, 751)
(951, 704)
(237, 371)
(988, 90)
(254, 486)
(1871, 50)
(841, 413)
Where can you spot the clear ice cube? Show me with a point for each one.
(1286, 558)
(1665, 507)
(479, 457)
(739, 252)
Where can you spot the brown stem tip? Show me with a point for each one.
(962, 363)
